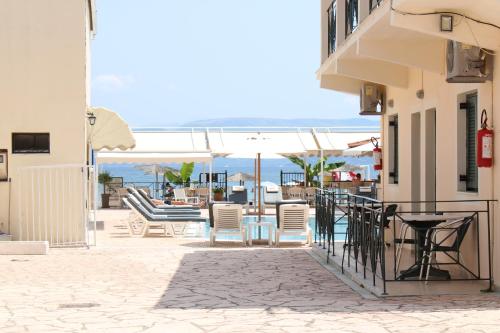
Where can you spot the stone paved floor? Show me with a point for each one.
(170, 285)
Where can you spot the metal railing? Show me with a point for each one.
(291, 178)
(332, 27)
(365, 242)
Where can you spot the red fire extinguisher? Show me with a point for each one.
(484, 143)
(377, 155)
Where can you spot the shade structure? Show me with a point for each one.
(140, 157)
(161, 147)
(250, 143)
(110, 131)
(266, 156)
(360, 151)
(334, 144)
(241, 177)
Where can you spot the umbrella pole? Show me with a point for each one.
(255, 186)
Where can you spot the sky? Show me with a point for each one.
(168, 62)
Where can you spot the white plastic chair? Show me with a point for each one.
(294, 220)
(228, 219)
(180, 195)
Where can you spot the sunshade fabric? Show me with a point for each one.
(336, 143)
(252, 143)
(139, 157)
(360, 151)
(162, 147)
(110, 131)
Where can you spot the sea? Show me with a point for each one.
(270, 169)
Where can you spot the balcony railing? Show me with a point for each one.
(366, 249)
(332, 27)
(351, 16)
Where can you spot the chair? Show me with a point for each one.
(239, 195)
(154, 221)
(203, 194)
(294, 221)
(454, 233)
(180, 195)
(296, 192)
(272, 194)
(228, 219)
(310, 195)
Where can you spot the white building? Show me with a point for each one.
(429, 137)
(45, 71)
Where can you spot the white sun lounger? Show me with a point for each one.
(294, 220)
(228, 220)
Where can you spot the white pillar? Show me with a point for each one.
(305, 171)
(210, 182)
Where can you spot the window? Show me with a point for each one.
(467, 143)
(393, 150)
(332, 27)
(30, 143)
(374, 4)
(351, 16)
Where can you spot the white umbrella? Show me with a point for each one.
(241, 177)
(110, 131)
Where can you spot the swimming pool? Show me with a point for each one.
(340, 229)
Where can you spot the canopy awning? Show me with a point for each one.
(110, 131)
(336, 143)
(145, 157)
(360, 151)
(161, 147)
(251, 143)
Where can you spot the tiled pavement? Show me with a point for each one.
(170, 285)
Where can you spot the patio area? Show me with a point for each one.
(157, 284)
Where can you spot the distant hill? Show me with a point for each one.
(276, 122)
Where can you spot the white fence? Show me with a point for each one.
(50, 203)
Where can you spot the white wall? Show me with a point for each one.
(44, 52)
(443, 97)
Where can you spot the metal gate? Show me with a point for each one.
(49, 203)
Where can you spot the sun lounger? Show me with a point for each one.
(228, 219)
(239, 195)
(294, 220)
(148, 199)
(167, 210)
(272, 194)
(153, 221)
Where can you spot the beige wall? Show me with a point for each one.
(44, 65)
(443, 97)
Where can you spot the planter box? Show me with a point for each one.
(24, 248)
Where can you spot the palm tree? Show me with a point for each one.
(181, 177)
(313, 171)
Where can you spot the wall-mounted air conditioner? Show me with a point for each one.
(372, 99)
(467, 63)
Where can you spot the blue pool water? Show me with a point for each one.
(340, 229)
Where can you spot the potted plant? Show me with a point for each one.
(218, 194)
(104, 178)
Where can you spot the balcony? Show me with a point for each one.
(380, 41)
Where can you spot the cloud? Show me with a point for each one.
(112, 82)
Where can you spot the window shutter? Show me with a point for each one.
(471, 146)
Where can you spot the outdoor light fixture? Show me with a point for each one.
(446, 23)
(91, 118)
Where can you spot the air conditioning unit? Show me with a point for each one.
(371, 99)
(467, 63)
